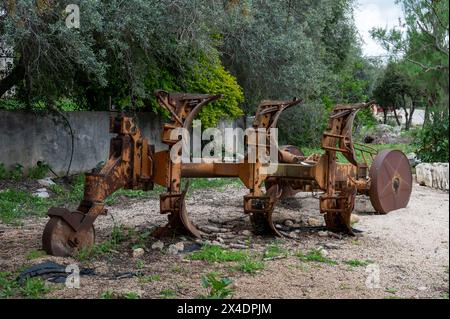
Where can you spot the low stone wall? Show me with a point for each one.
(433, 175)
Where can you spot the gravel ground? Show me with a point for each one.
(406, 251)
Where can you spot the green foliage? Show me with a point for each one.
(250, 266)
(107, 295)
(274, 250)
(11, 104)
(131, 295)
(315, 255)
(118, 236)
(432, 141)
(144, 279)
(39, 171)
(34, 288)
(209, 76)
(16, 173)
(4, 174)
(8, 286)
(356, 263)
(213, 253)
(34, 254)
(15, 204)
(218, 288)
(168, 293)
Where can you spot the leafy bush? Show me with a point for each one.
(11, 104)
(209, 76)
(432, 140)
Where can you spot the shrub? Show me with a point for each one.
(432, 140)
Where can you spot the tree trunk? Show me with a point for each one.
(384, 115)
(396, 117)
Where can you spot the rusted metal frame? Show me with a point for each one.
(128, 166)
(168, 171)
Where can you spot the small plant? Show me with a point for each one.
(168, 293)
(140, 264)
(391, 290)
(16, 173)
(34, 254)
(149, 278)
(34, 288)
(218, 288)
(107, 295)
(39, 171)
(8, 286)
(131, 295)
(15, 203)
(356, 263)
(3, 172)
(250, 266)
(274, 250)
(316, 255)
(213, 253)
(118, 236)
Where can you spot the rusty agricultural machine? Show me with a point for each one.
(133, 164)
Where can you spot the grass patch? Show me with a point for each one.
(213, 253)
(8, 286)
(145, 279)
(168, 293)
(34, 288)
(118, 236)
(16, 204)
(391, 290)
(34, 254)
(357, 262)
(316, 255)
(131, 295)
(250, 266)
(274, 251)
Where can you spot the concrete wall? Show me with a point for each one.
(27, 138)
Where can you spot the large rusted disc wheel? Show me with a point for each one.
(391, 181)
(59, 239)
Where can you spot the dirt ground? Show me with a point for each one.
(408, 251)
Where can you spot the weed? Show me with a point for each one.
(250, 266)
(39, 171)
(168, 293)
(3, 172)
(116, 238)
(149, 278)
(16, 203)
(357, 262)
(391, 290)
(131, 295)
(34, 254)
(107, 295)
(213, 253)
(316, 255)
(34, 288)
(140, 264)
(218, 288)
(274, 250)
(8, 286)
